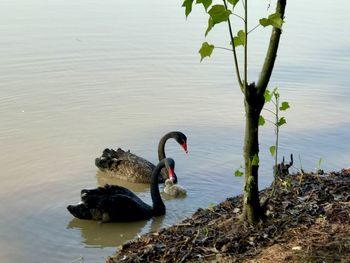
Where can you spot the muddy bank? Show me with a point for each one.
(307, 220)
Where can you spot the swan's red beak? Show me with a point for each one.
(171, 174)
(184, 147)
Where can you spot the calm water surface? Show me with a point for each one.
(79, 76)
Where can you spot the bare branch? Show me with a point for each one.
(254, 28)
(234, 51)
(224, 48)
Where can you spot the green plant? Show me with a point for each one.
(274, 97)
(318, 170)
(211, 205)
(301, 165)
(318, 167)
(238, 172)
(253, 93)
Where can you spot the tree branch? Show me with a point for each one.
(234, 51)
(271, 122)
(238, 16)
(251, 30)
(224, 48)
(269, 111)
(271, 54)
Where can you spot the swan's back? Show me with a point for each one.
(126, 166)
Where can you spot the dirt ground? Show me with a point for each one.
(306, 220)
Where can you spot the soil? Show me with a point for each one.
(306, 220)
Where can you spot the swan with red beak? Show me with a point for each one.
(130, 167)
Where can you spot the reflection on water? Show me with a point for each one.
(77, 76)
(104, 178)
(95, 234)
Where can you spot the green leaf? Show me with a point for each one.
(255, 160)
(238, 173)
(268, 96)
(210, 26)
(188, 6)
(274, 20)
(206, 3)
(239, 39)
(206, 50)
(219, 14)
(261, 120)
(273, 150)
(233, 2)
(284, 106)
(281, 121)
(319, 163)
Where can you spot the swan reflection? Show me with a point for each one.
(95, 234)
(103, 179)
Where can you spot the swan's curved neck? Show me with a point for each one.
(161, 145)
(158, 205)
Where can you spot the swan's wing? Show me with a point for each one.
(125, 208)
(134, 160)
(109, 158)
(119, 190)
(110, 153)
(127, 166)
(112, 159)
(132, 168)
(120, 155)
(92, 197)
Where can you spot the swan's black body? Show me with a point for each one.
(119, 204)
(130, 167)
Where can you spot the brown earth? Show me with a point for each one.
(306, 220)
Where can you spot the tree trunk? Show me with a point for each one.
(253, 104)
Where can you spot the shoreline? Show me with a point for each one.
(307, 220)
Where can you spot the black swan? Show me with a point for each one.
(130, 167)
(113, 203)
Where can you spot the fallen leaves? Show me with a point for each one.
(308, 218)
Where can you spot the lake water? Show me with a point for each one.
(79, 76)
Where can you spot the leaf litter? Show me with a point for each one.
(306, 220)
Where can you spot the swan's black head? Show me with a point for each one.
(181, 139)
